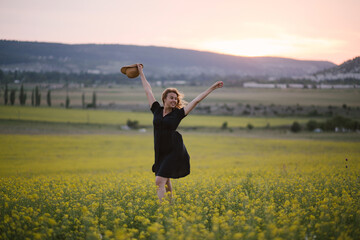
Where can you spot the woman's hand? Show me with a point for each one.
(216, 85)
(140, 67)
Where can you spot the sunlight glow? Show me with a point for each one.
(283, 46)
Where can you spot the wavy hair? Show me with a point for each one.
(180, 97)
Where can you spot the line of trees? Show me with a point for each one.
(337, 124)
(10, 97)
(59, 77)
(102, 78)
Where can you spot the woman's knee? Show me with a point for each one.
(160, 181)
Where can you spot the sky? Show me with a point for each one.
(306, 30)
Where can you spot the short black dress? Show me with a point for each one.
(171, 157)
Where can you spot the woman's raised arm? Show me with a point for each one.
(146, 85)
(188, 108)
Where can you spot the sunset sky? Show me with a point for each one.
(307, 29)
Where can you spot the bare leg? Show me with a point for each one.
(160, 183)
(168, 187)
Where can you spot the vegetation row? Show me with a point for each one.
(36, 98)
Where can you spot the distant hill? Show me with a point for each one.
(158, 61)
(348, 70)
(350, 66)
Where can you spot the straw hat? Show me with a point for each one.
(131, 70)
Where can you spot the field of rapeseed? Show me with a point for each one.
(102, 187)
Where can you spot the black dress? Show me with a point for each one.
(171, 157)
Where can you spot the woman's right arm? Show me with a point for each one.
(146, 85)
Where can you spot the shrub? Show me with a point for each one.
(249, 126)
(312, 125)
(246, 112)
(313, 113)
(295, 127)
(224, 125)
(132, 124)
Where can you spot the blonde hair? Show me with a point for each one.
(180, 101)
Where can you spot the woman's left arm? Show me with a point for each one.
(188, 108)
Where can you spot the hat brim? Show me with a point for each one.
(123, 69)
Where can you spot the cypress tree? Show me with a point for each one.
(22, 96)
(12, 96)
(67, 104)
(94, 100)
(33, 97)
(6, 95)
(48, 98)
(83, 100)
(37, 96)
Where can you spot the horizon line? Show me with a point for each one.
(188, 49)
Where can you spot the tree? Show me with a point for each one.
(295, 127)
(22, 96)
(48, 98)
(6, 95)
(67, 103)
(340, 123)
(37, 96)
(83, 100)
(33, 97)
(94, 100)
(311, 125)
(2, 76)
(12, 96)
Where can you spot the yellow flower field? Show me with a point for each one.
(102, 187)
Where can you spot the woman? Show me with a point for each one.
(171, 157)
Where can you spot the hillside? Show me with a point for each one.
(158, 61)
(348, 70)
(350, 66)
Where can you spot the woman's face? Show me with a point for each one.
(171, 100)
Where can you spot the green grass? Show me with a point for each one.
(61, 115)
(134, 95)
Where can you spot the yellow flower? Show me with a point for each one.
(51, 221)
(108, 233)
(37, 236)
(154, 228)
